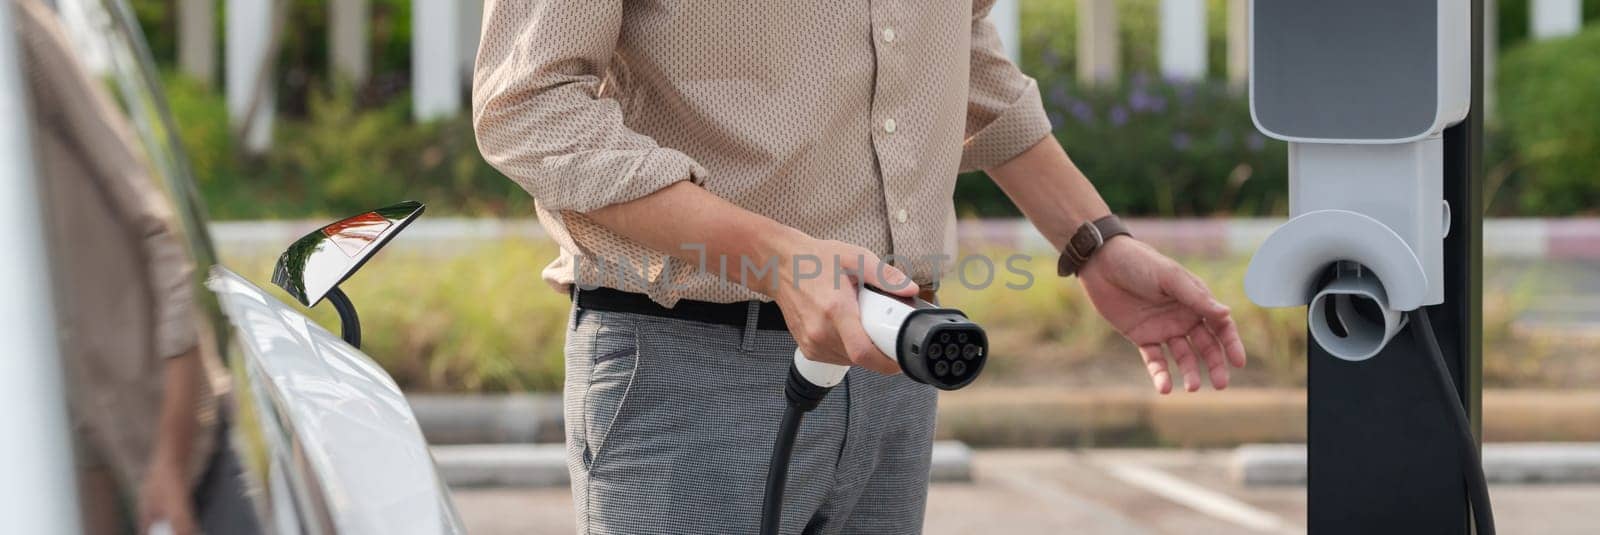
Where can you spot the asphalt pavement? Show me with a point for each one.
(1122, 492)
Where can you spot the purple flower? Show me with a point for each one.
(1049, 58)
(1082, 112)
(1058, 97)
(1181, 141)
(1056, 120)
(1138, 98)
(1143, 101)
(1255, 141)
(1119, 116)
(1185, 93)
(1141, 80)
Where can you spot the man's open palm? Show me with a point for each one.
(1154, 302)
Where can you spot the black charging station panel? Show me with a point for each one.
(1382, 455)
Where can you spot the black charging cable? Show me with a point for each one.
(803, 396)
(1472, 462)
(933, 346)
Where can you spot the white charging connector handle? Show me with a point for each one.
(819, 373)
(881, 317)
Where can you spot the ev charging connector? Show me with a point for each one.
(934, 346)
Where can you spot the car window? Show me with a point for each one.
(129, 253)
(108, 40)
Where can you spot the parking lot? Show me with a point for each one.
(1133, 492)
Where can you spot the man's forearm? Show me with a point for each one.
(682, 218)
(178, 421)
(1050, 190)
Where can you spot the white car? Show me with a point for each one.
(333, 446)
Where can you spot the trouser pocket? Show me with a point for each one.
(602, 361)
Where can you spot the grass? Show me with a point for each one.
(484, 321)
(478, 322)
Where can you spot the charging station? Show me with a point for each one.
(1380, 102)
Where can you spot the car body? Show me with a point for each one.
(326, 437)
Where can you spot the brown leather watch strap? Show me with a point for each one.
(1086, 241)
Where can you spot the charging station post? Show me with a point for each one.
(1385, 451)
(1381, 456)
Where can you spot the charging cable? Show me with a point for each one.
(935, 346)
(1471, 461)
(803, 396)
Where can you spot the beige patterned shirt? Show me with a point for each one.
(847, 120)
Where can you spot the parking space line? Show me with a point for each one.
(1199, 498)
(1069, 504)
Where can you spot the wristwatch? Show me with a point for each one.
(1086, 241)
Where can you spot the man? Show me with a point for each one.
(710, 146)
(145, 389)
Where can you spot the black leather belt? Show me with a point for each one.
(730, 314)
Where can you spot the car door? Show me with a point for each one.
(325, 437)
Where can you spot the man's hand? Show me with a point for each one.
(164, 497)
(822, 311)
(1155, 302)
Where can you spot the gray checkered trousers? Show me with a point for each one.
(670, 424)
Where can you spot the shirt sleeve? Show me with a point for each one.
(1004, 113)
(74, 111)
(540, 111)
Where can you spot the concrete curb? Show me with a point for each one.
(488, 419)
(1048, 417)
(1569, 239)
(545, 465)
(1513, 463)
(502, 465)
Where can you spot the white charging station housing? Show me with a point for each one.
(1362, 90)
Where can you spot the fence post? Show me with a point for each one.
(1006, 16)
(1491, 55)
(248, 36)
(348, 42)
(1099, 59)
(1239, 43)
(1555, 18)
(471, 26)
(435, 76)
(197, 39)
(1183, 40)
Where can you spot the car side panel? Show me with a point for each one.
(357, 458)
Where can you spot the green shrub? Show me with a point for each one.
(1158, 148)
(1549, 107)
(202, 117)
(1152, 147)
(345, 160)
(1514, 20)
(480, 322)
(1049, 37)
(338, 160)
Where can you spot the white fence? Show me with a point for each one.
(445, 37)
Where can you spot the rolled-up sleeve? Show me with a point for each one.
(1004, 113)
(540, 114)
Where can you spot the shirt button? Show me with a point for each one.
(900, 216)
(888, 125)
(888, 35)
